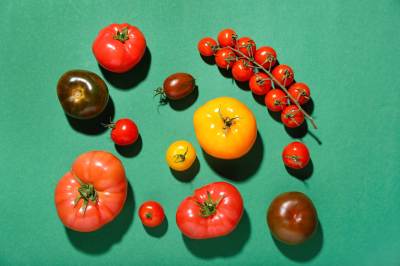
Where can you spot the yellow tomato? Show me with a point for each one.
(225, 128)
(180, 155)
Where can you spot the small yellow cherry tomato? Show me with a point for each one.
(180, 155)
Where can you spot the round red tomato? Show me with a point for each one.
(296, 155)
(151, 214)
(124, 132)
(92, 193)
(300, 92)
(292, 117)
(119, 47)
(247, 46)
(212, 211)
(266, 56)
(227, 37)
(207, 46)
(284, 75)
(260, 83)
(225, 58)
(276, 100)
(242, 70)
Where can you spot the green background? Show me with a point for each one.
(346, 51)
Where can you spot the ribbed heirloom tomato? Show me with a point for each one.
(212, 211)
(92, 193)
(225, 128)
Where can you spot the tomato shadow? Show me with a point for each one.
(275, 115)
(130, 150)
(94, 126)
(302, 174)
(158, 231)
(226, 73)
(239, 169)
(305, 251)
(101, 241)
(260, 99)
(298, 132)
(225, 246)
(188, 175)
(243, 85)
(133, 77)
(309, 107)
(210, 60)
(182, 104)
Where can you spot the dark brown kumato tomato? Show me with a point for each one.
(177, 86)
(82, 94)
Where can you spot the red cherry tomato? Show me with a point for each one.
(276, 100)
(296, 155)
(151, 214)
(284, 74)
(119, 47)
(300, 92)
(247, 46)
(124, 132)
(260, 83)
(265, 56)
(227, 37)
(225, 58)
(292, 117)
(242, 70)
(207, 46)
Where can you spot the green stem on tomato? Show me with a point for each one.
(87, 193)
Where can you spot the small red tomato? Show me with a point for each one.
(300, 92)
(292, 117)
(265, 56)
(247, 46)
(225, 58)
(207, 46)
(151, 213)
(227, 37)
(295, 155)
(284, 74)
(260, 83)
(242, 70)
(124, 132)
(276, 100)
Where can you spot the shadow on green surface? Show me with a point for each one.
(260, 99)
(239, 169)
(225, 246)
(180, 105)
(188, 175)
(158, 231)
(100, 241)
(298, 132)
(306, 251)
(210, 60)
(130, 150)
(302, 174)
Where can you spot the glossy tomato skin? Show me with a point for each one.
(247, 46)
(266, 56)
(116, 55)
(260, 83)
(300, 91)
(225, 128)
(276, 100)
(106, 174)
(284, 74)
(180, 155)
(225, 58)
(292, 117)
(228, 211)
(179, 85)
(242, 70)
(227, 37)
(151, 213)
(82, 94)
(207, 46)
(124, 132)
(292, 218)
(296, 155)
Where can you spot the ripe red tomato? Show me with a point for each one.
(213, 211)
(276, 100)
(242, 70)
(207, 46)
(227, 37)
(266, 56)
(151, 214)
(124, 132)
(300, 92)
(225, 58)
(119, 47)
(296, 155)
(292, 117)
(92, 193)
(260, 83)
(284, 74)
(247, 46)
